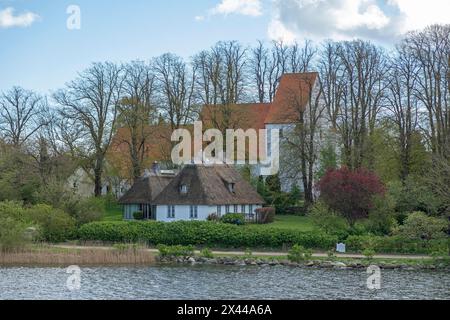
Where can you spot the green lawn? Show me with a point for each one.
(113, 214)
(291, 222)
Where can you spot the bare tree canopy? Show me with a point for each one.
(21, 115)
(91, 100)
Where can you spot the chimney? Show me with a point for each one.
(155, 168)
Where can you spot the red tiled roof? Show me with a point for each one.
(292, 95)
(240, 116)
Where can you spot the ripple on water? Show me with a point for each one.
(220, 282)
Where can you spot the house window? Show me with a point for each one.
(219, 210)
(235, 208)
(183, 188)
(231, 187)
(243, 208)
(171, 212)
(250, 209)
(227, 209)
(193, 212)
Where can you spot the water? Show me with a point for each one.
(220, 282)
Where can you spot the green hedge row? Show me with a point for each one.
(396, 244)
(202, 233)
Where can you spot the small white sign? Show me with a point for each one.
(340, 247)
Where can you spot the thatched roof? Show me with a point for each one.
(145, 189)
(208, 185)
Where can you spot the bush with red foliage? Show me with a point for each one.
(350, 192)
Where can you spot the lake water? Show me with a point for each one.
(220, 282)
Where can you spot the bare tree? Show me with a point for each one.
(403, 105)
(431, 49)
(137, 112)
(21, 115)
(91, 101)
(304, 142)
(175, 84)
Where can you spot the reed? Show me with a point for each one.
(46, 256)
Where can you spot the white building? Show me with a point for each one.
(197, 192)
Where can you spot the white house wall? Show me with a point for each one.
(182, 212)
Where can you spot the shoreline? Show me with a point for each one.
(129, 255)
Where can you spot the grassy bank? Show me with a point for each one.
(50, 256)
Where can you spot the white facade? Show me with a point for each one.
(201, 213)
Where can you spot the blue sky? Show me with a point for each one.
(38, 52)
(46, 54)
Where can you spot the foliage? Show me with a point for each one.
(327, 159)
(203, 233)
(395, 244)
(12, 234)
(213, 217)
(368, 253)
(382, 217)
(329, 221)
(298, 254)
(350, 192)
(206, 253)
(233, 218)
(138, 215)
(420, 226)
(265, 215)
(175, 251)
(86, 210)
(414, 195)
(56, 225)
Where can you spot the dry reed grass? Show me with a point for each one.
(46, 256)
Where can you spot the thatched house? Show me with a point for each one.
(141, 196)
(200, 190)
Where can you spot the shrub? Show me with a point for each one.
(350, 193)
(368, 253)
(396, 244)
(206, 253)
(175, 251)
(382, 217)
(55, 224)
(138, 215)
(12, 234)
(298, 254)
(265, 215)
(202, 233)
(420, 226)
(329, 221)
(414, 195)
(86, 210)
(213, 217)
(233, 218)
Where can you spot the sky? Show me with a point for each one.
(44, 43)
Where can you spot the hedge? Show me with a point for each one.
(202, 233)
(397, 244)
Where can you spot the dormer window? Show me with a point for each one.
(231, 187)
(183, 189)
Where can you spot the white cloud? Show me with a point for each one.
(243, 7)
(9, 20)
(199, 18)
(419, 13)
(278, 32)
(382, 20)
